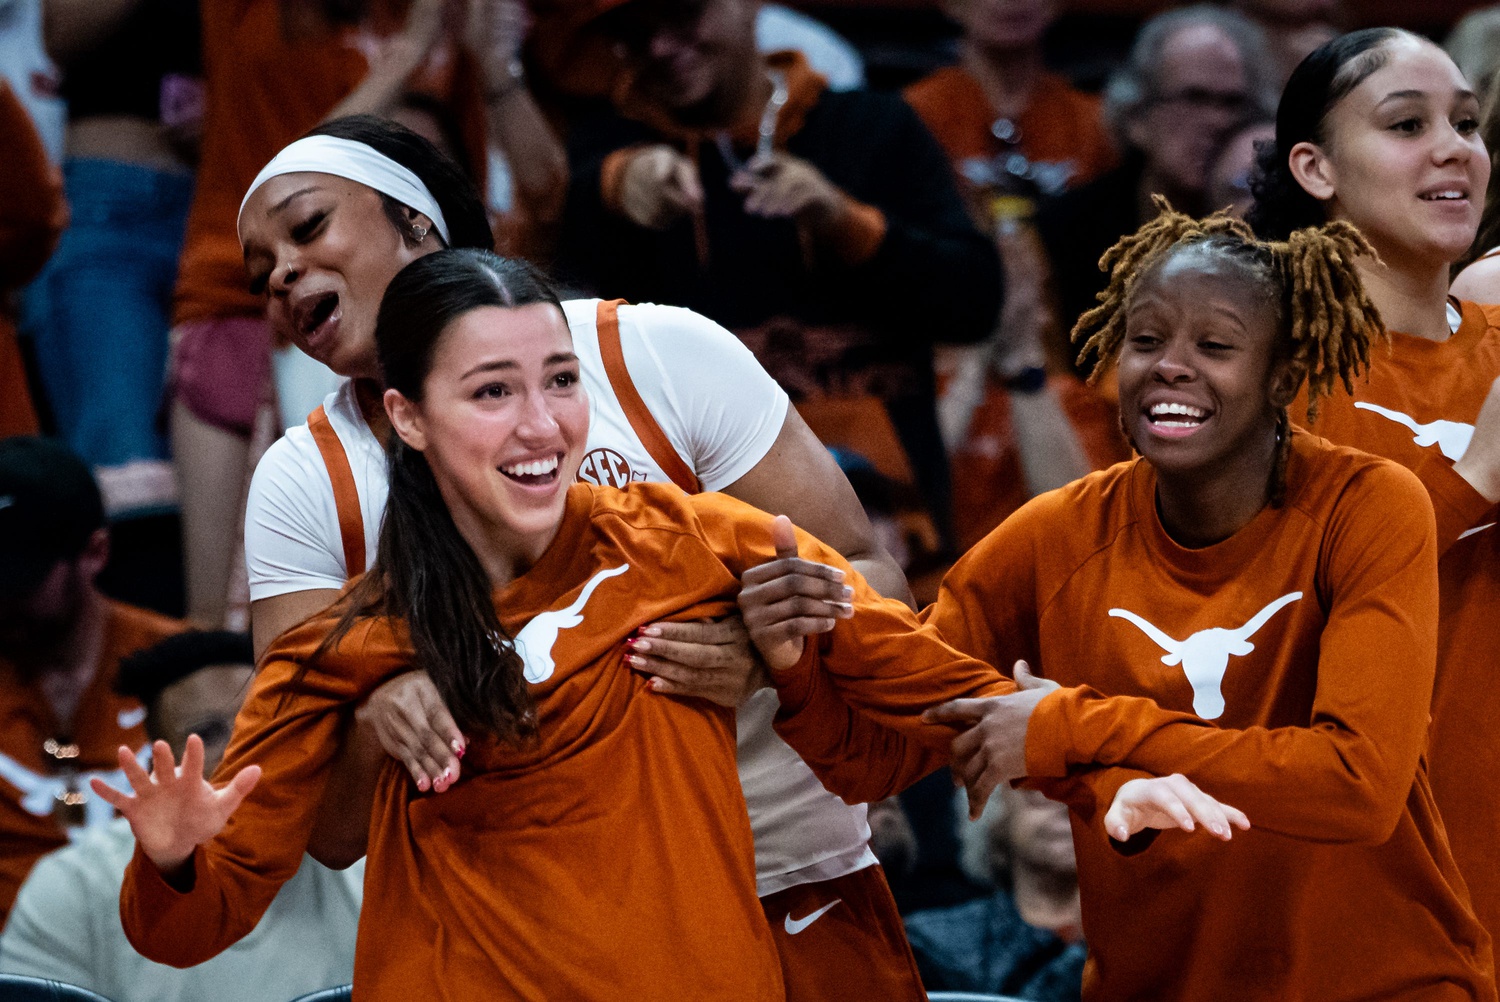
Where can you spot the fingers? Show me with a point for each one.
(792, 567)
(139, 778)
(784, 538)
(1026, 680)
(1205, 809)
(688, 189)
(729, 630)
(956, 711)
(233, 793)
(163, 766)
(700, 656)
(192, 758)
(120, 801)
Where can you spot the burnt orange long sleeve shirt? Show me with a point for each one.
(610, 859)
(1417, 406)
(1287, 671)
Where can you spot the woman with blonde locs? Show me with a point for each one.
(1244, 605)
(1378, 128)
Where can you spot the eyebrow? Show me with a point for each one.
(557, 358)
(290, 199)
(1402, 95)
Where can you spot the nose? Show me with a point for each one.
(285, 274)
(1452, 146)
(1172, 365)
(537, 423)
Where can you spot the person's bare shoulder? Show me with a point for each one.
(1479, 282)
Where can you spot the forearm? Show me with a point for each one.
(538, 162)
(387, 80)
(341, 830)
(1051, 455)
(884, 575)
(1322, 783)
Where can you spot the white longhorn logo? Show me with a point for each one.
(1205, 655)
(1451, 437)
(534, 642)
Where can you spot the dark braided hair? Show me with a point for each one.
(1327, 320)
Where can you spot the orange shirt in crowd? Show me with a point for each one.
(1060, 125)
(263, 91)
(33, 777)
(611, 858)
(1417, 405)
(1287, 671)
(32, 217)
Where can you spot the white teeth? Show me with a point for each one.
(536, 468)
(1438, 196)
(1158, 410)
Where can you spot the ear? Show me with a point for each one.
(1287, 377)
(1313, 170)
(406, 419)
(419, 222)
(95, 555)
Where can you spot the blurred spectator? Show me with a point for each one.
(1294, 28)
(60, 644)
(1478, 272)
(273, 68)
(1192, 75)
(1474, 44)
(24, 64)
(99, 313)
(892, 840)
(1230, 166)
(1010, 126)
(822, 227)
(66, 920)
(32, 214)
(779, 28)
(1025, 939)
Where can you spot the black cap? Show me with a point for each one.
(49, 507)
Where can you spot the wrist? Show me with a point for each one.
(503, 78)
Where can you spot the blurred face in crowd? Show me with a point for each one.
(33, 624)
(1004, 24)
(1229, 174)
(203, 703)
(696, 58)
(1034, 834)
(1200, 92)
(502, 422)
(1199, 388)
(322, 250)
(1402, 157)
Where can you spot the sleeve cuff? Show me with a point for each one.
(861, 234)
(794, 686)
(1047, 741)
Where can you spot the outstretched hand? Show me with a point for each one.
(1169, 802)
(175, 809)
(992, 748)
(785, 600)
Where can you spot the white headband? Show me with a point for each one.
(357, 162)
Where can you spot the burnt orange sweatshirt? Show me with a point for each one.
(1417, 406)
(609, 859)
(1286, 671)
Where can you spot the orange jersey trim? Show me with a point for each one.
(345, 493)
(636, 412)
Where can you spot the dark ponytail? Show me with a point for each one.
(1320, 81)
(425, 573)
(455, 193)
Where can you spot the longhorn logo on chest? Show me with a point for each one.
(1204, 656)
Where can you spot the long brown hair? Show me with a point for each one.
(1488, 236)
(425, 574)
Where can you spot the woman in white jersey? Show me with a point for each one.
(325, 227)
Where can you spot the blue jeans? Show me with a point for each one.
(100, 311)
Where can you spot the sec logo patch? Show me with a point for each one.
(607, 468)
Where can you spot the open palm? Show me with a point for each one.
(175, 809)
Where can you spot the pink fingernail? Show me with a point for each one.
(422, 784)
(634, 661)
(650, 631)
(457, 746)
(640, 645)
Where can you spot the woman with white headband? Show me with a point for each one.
(673, 396)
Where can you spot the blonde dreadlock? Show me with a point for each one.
(1328, 319)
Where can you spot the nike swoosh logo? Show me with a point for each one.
(794, 926)
(128, 719)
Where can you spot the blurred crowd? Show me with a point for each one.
(906, 264)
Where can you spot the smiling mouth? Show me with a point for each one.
(1450, 195)
(535, 472)
(1176, 419)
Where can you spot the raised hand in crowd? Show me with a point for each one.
(781, 186)
(174, 809)
(395, 62)
(659, 186)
